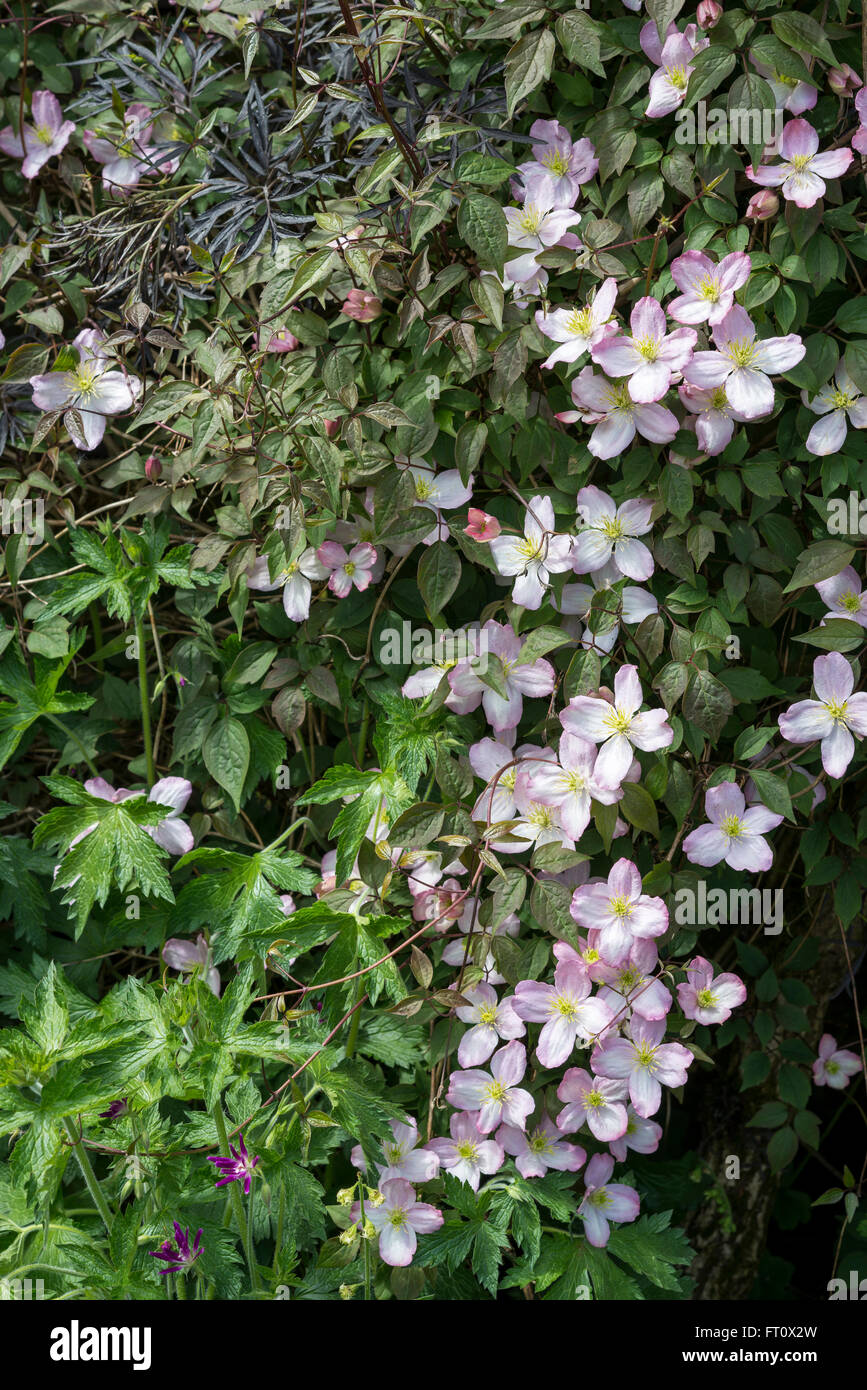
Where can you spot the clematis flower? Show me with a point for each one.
(837, 403)
(482, 527)
(437, 492)
(238, 1168)
(629, 987)
(790, 94)
(859, 139)
(495, 1096)
(570, 784)
(361, 305)
(834, 1066)
(618, 727)
(706, 999)
(567, 1013)
(36, 144)
(458, 951)
(844, 597)
(668, 85)
(88, 392)
(346, 570)
(558, 167)
(187, 956)
(594, 1101)
(281, 341)
(619, 911)
(172, 834)
(715, 416)
(605, 1201)
(294, 579)
(617, 417)
(533, 559)
(609, 533)
(132, 155)
(537, 824)
(178, 1252)
(490, 759)
(578, 330)
(707, 291)
(650, 357)
(491, 1022)
(403, 1158)
(532, 678)
(630, 604)
(735, 833)
(743, 363)
(539, 1149)
(803, 171)
(641, 1135)
(833, 718)
(844, 80)
(644, 1061)
(399, 1219)
(538, 224)
(466, 1155)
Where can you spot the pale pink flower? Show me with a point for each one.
(743, 363)
(859, 139)
(457, 952)
(403, 1158)
(535, 557)
(652, 44)
(172, 834)
(605, 1201)
(734, 833)
(189, 956)
(715, 416)
(630, 987)
(437, 492)
(803, 171)
(281, 341)
(789, 95)
(642, 1136)
(492, 1022)
(567, 1013)
(668, 85)
(844, 597)
(294, 579)
(619, 911)
(88, 392)
(539, 1149)
(644, 1061)
(538, 224)
(482, 527)
(495, 1096)
(558, 167)
(578, 330)
(496, 763)
(707, 291)
(840, 404)
(532, 678)
(361, 305)
(346, 570)
(708, 999)
(36, 144)
(833, 718)
(399, 1219)
(594, 1101)
(631, 604)
(131, 155)
(466, 1155)
(618, 727)
(570, 784)
(609, 533)
(834, 1066)
(650, 357)
(617, 417)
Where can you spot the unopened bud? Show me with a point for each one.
(332, 428)
(153, 468)
(843, 81)
(708, 14)
(763, 205)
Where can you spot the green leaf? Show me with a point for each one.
(580, 39)
(439, 573)
(639, 808)
(226, 753)
(707, 703)
(822, 560)
(482, 225)
(782, 1148)
(528, 65)
(837, 635)
(803, 34)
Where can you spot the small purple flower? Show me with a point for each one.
(185, 1255)
(237, 1168)
(117, 1107)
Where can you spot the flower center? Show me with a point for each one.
(532, 549)
(612, 527)
(628, 979)
(539, 1142)
(644, 1055)
(678, 78)
(423, 489)
(593, 1100)
(496, 1091)
(397, 1218)
(799, 162)
(709, 289)
(841, 400)
(719, 400)
(576, 781)
(850, 601)
(705, 999)
(530, 219)
(556, 161)
(731, 826)
(43, 135)
(467, 1150)
(565, 1006)
(618, 396)
(837, 710)
(618, 722)
(579, 322)
(620, 906)
(599, 1198)
(349, 567)
(741, 351)
(84, 380)
(648, 347)
(488, 1015)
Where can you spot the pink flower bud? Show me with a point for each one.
(482, 527)
(153, 468)
(281, 341)
(708, 14)
(361, 305)
(844, 81)
(763, 205)
(332, 428)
